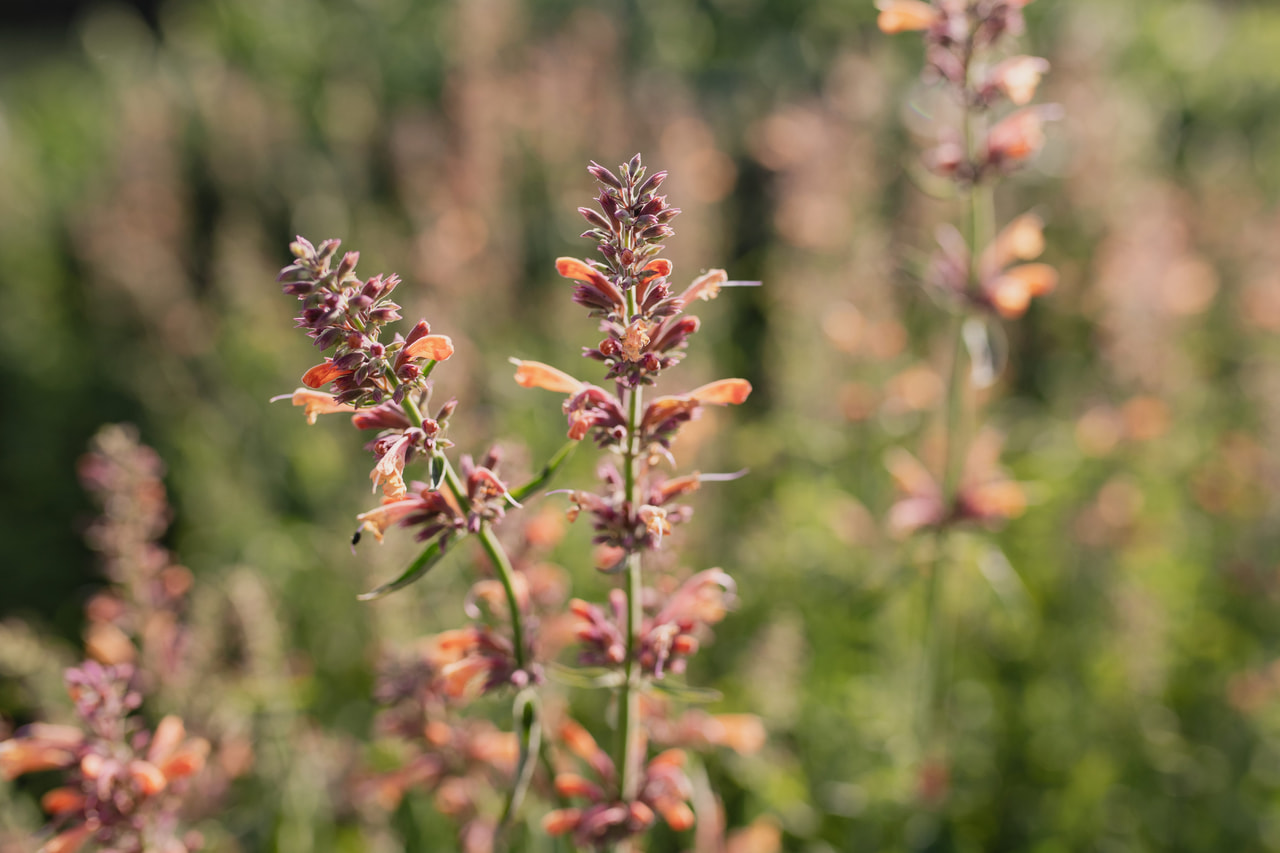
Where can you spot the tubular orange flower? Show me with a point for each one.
(1020, 134)
(322, 374)
(577, 270)
(899, 16)
(315, 403)
(376, 521)
(1018, 77)
(722, 392)
(1013, 291)
(535, 374)
(62, 800)
(434, 347)
(705, 287)
(560, 821)
(1020, 240)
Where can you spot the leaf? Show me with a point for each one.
(436, 471)
(527, 717)
(686, 693)
(419, 567)
(587, 677)
(544, 476)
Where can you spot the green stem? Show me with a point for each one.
(629, 700)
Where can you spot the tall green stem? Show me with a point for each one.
(980, 221)
(629, 700)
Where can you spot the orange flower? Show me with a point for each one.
(322, 374)
(898, 16)
(376, 521)
(535, 374)
(434, 347)
(705, 287)
(722, 392)
(1012, 291)
(1019, 135)
(579, 271)
(315, 402)
(1018, 77)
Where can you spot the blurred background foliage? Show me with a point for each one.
(1113, 670)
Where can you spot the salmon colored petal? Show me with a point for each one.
(147, 777)
(723, 392)
(322, 374)
(376, 521)
(560, 821)
(658, 266)
(677, 815)
(577, 270)
(1018, 77)
(1012, 292)
(705, 287)
(898, 16)
(1001, 499)
(434, 347)
(188, 760)
(62, 800)
(535, 374)
(318, 403)
(168, 736)
(1020, 240)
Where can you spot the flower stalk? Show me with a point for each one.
(974, 270)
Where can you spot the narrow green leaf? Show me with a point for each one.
(685, 693)
(419, 567)
(544, 476)
(586, 677)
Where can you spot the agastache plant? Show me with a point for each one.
(123, 784)
(639, 635)
(631, 643)
(982, 277)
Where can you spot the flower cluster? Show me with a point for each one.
(668, 634)
(960, 37)
(519, 620)
(981, 271)
(641, 635)
(984, 275)
(343, 313)
(124, 784)
(664, 790)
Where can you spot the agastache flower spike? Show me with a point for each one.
(636, 509)
(980, 273)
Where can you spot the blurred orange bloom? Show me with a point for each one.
(897, 16)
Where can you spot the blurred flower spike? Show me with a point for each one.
(124, 785)
(607, 818)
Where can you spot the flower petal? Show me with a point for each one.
(722, 392)
(897, 16)
(535, 374)
(434, 347)
(322, 374)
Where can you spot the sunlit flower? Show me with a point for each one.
(1018, 77)
(897, 16)
(315, 403)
